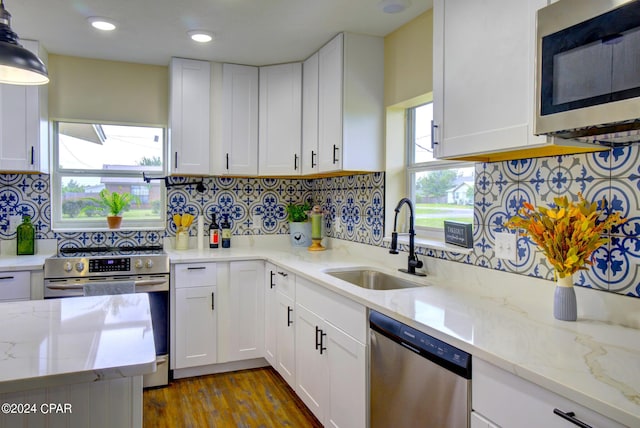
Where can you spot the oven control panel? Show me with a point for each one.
(117, 264)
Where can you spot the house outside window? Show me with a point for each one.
(90, 157)
(440, 190)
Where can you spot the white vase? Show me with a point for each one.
(565, 307)
(300, 234)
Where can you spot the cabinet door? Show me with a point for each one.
(346, 406)
(483, 76)
(330, 105)
(270, 308)
(23, 124)
(245, 311)
(280, 119)
(240, 119)
(529, 404)
(195, 326)
(310, 115)
(189, 116)
(285, 318)
(311, 366)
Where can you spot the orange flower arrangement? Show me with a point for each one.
(567, 234)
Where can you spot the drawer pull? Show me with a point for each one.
(5, 277)
(571, 417)
(283, 274)
(197, 268)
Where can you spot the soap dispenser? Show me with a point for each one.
(26, 237)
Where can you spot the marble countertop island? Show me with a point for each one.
(46, 343)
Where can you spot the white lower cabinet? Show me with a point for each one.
(270, 338)
(500, 398)
(279, 328)
(330, 363)
(285, 338)
(195, 326)
(241, 328)
(15, 286)
(195, 315)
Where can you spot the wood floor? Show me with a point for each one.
(248, 398)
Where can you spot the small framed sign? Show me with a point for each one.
(458, 234)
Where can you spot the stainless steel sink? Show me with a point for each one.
(372, 279)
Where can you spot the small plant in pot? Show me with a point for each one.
(299, 224)
(113, 204)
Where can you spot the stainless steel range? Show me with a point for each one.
(74, 271)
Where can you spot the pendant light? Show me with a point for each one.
(18, 66)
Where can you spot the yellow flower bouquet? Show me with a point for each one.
(567, 234)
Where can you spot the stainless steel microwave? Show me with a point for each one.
(588, 71)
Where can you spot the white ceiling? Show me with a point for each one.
(253, 32)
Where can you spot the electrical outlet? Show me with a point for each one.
(337, 226)
(256, 221)
(505, 247)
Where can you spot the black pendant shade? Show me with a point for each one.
(18, 66)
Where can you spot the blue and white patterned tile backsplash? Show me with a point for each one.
(355, 210)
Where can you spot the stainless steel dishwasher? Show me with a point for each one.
(416, 380)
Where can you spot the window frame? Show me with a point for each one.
(58, 224)
(412, 167)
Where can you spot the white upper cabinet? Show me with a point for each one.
(350, 104)
(24, 128)
(280, 119)
(235, 120)
(310, 115)
(483, 77)
(189, 116)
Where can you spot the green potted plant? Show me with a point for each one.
(112, 204)
(299, 224)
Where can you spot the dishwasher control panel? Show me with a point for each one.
(448, 356)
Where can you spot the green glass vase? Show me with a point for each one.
(26, 238)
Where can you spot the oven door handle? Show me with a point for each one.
(64, 287)
(80, 285)
(149, 282)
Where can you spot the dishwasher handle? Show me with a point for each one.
(435, 350)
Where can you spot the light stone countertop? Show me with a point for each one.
(53, 342)
(502, 318)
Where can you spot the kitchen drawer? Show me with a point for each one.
(195, 275)
(15, 286)
(285, 282)
(343, 313)
(529, 404)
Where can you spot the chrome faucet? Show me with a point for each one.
(413, 259)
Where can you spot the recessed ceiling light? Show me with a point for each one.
(200, 36)
(393, 6)
(103, 24)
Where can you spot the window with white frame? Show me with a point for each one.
(90, 157)
(440, 190)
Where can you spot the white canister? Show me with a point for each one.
(200, 233)
(182, 240)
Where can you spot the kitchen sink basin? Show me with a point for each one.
(372, 279)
